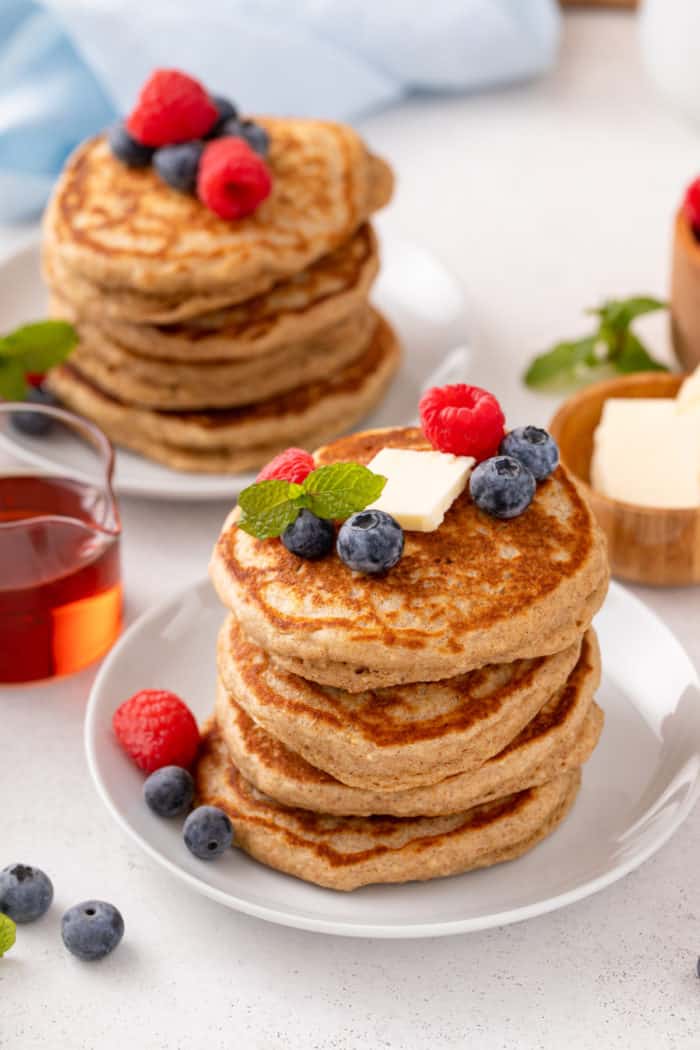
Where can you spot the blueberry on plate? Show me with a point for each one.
(370, 541)
(126, 149)
(35, 424)
(252, 133)
(208, 832)
(502, 486)
(534, 447)
(309, 537)
(92, 929)
(169, 791)
(178, 165)
(25, 892)
(227, 111)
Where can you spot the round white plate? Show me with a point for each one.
(641, 782)
(417, 293)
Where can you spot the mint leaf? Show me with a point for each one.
(619, 313)
(634, 357)
(13, 386)
(40, 346)
(561, 363)
(7, 934)
(337, 491)
(269, 507)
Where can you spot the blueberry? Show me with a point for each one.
(208, 832)
(256, 136)
(534, 447)
(502, 486)
(309, 536)
(370, 541)
(126, 149)
(25, 892)
(178, 165)
(35, 424)
(169, 791)
(227, 110)
(92, 929)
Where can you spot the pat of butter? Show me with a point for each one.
(421, 486)
(688, 397)
(648, 453)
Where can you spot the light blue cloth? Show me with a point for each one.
(67, 67)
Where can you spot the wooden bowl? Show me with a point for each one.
(685, 294)
(647, 545)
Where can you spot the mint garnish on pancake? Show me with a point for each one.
(334, 492)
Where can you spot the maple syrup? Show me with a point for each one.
(60, 589)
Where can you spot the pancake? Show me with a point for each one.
(560, 738)
(124, 228)
(344, 853)
(171, 385)
(404, 736)
(289, 314)
(231, 440)
(475, 591)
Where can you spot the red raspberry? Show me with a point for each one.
(171, 107)
(156, 729)
(35, 378)
(691, 205)
(291, 465)
(233, 180)
(465, 420)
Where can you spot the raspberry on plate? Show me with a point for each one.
(156, 728)
(233, 180)
(291, 465)
(172, 107)
(462, 419)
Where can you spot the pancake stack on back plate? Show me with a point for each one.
(413, 725)
(210, 345)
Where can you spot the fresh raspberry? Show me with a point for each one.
(35, 379)
(291, 465)
(691, 205)
(156, 729)
(171, 108)
(233, 180)
(461, 419)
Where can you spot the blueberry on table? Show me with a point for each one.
(370, 541)
(35, 424)
(126, 149)
(92, 930)
(502, 486)
(309, 537)
(178, 165)
(534, 447)
(25, 892)
(208, 832)
(169, 791)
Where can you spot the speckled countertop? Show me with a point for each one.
(582, 170)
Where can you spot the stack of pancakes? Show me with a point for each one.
(211, 345)
(414, 725)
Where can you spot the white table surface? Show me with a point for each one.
(543, 199)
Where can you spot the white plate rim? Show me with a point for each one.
(346, 928)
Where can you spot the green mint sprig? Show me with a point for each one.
(612, 347)
(32, 348)
(334, 492)
(7, 934)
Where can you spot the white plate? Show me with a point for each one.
(419, 296)
(641, 782)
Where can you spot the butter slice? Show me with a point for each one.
(688, 397)
(421, 486)
(648, 453)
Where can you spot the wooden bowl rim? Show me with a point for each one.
(573, 403)
(686, 237)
